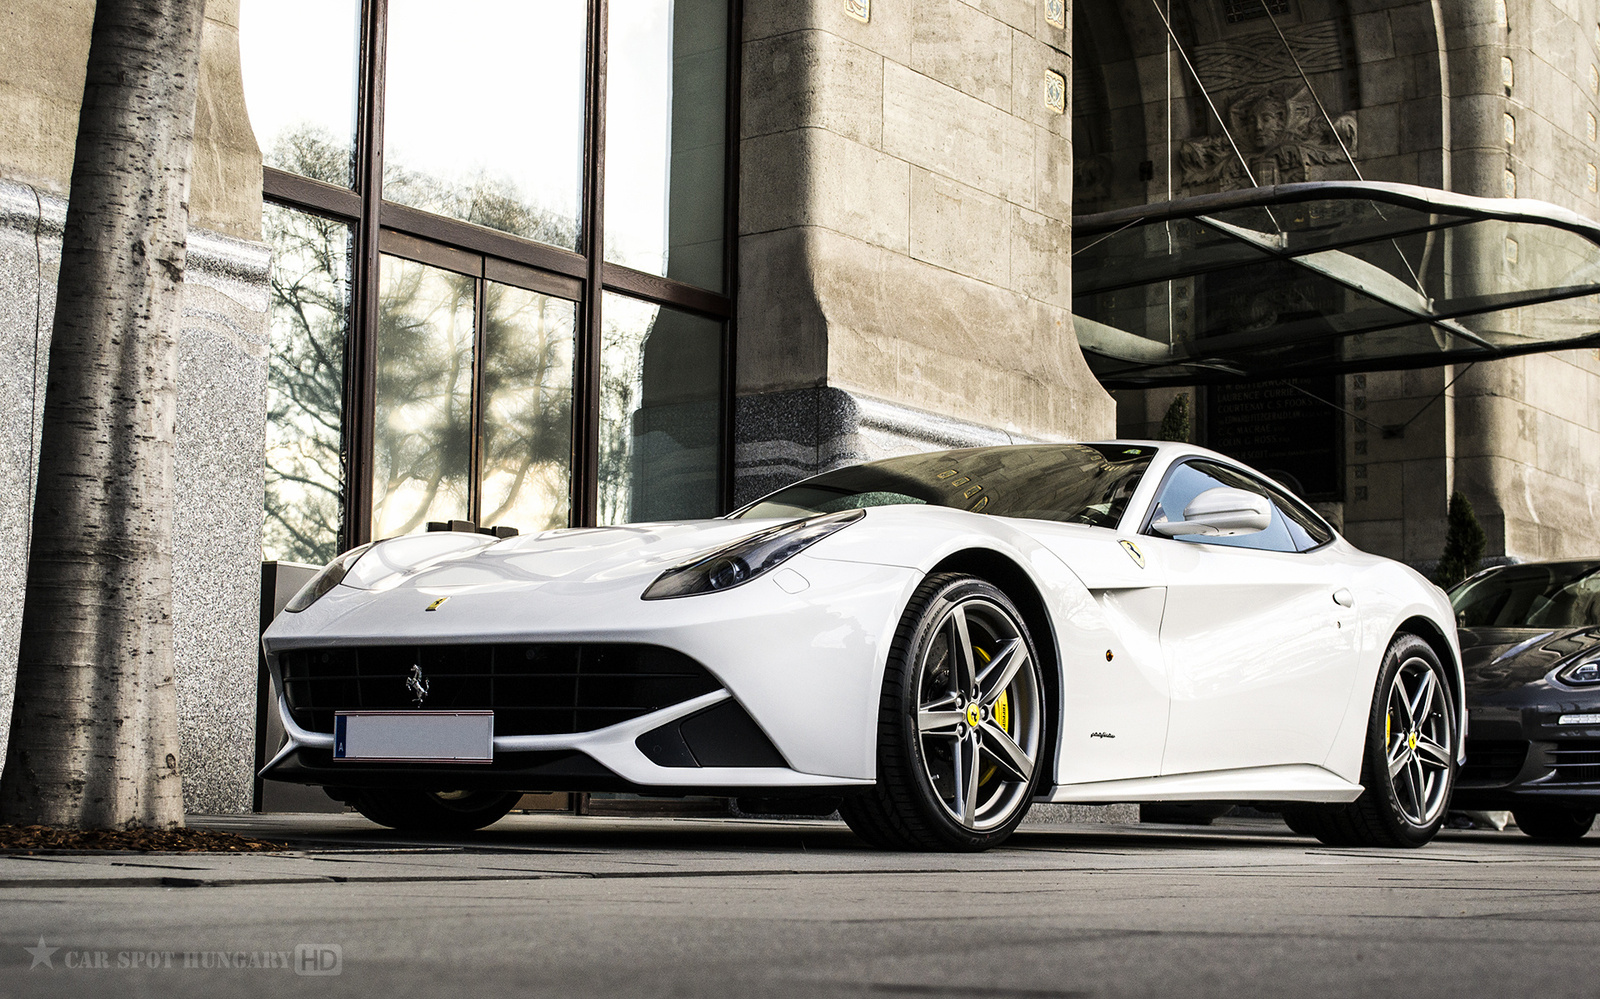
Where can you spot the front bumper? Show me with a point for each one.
(804, 667)
(1518, 752)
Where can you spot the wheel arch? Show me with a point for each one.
(1012, 579)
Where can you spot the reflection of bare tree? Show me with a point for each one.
(527, 407)
(492, 202)
(421, 463)
(304, 475)
(424, 397)
(625, 327)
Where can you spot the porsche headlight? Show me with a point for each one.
(324, 581)
(1585, 674)
(744, 560)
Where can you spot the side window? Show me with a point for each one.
(1193, 478)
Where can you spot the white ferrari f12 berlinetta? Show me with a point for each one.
(939, 640)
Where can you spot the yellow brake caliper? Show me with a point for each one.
(1002, 718)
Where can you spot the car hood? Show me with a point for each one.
(549, 559)
(1497, 659)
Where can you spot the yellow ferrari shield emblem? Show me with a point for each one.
(1134, 553)
(973, 714)
(435, 605)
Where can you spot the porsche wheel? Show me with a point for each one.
(434, 811)
(1409, 767)
(961, 724)
(1553, 824)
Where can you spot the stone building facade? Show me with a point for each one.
(1493, 98)
(869, 253)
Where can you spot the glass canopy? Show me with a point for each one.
(1324, 278)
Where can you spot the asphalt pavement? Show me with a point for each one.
(564, 905)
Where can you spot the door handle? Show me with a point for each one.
(1344, 598)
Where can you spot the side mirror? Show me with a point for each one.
(1220, 512)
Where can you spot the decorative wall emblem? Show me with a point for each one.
(1055, 12)
(1280, 131)
(861, 10)
(1261, 58)
(1055, 91)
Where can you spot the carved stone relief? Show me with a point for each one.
(1279, 130)
(1271, 113)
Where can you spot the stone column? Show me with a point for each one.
(905, 216)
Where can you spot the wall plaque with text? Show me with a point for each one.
(1279, 428)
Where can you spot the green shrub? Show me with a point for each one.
(1464, 542)
(1175, 425)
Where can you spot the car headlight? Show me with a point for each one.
(1585, 674)
(744, 560)
(322, 582)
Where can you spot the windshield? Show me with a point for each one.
(1559, 595)
(1072, 483)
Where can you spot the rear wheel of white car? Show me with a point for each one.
(1409, 767)
(960, 723)
(434, 811)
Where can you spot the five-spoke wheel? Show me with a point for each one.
(1418, 740)
(1409, 766)
(961, 724)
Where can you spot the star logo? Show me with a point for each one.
(41, 955)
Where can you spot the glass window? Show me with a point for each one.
(483, 113)
(1193, 478)
(666, 127)
(470, 403)
(1557, 595)
(1071, 483)
(527, 409)
(422, 442)
(299, 60)
(309, 323)
(660, 412)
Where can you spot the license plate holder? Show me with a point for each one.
(413, 736)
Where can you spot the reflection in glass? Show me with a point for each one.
(299, 61)
(422, 445)
(483, 113)
(660, 414)
(666, 105)
(309, 323)
(527, 409)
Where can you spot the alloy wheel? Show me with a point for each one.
(1418, 733)
(979, 715)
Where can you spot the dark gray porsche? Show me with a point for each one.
(1530, 646)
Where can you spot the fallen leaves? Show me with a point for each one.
(25, 839)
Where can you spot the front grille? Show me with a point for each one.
(533, 689)
(1493, 761)
(1576, 762)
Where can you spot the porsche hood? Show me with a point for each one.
(1500, 659)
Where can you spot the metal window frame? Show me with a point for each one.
(380, 227)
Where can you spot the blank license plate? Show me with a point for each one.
(414, 736)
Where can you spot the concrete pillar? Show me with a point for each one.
(905, 212)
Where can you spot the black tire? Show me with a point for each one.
(1299, 822)
(931, 757)
(1405, 809)
(434, 811)
(1553, 824)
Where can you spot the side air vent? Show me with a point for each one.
(723, 735)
